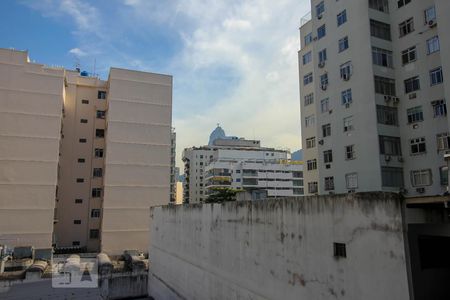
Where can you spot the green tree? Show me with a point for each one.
(221, 195)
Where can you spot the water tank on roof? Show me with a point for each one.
(84, 73)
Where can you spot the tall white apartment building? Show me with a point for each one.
(238, 163)
(374, 88)
(81, 159)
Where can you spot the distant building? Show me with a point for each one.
(173, 169)
(86, 154)
(242, 165)
(374, 83)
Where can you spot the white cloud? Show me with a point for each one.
(77, 52)
(235, 24)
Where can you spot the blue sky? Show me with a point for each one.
(234, 62)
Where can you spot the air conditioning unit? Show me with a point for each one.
(403, 191)
(351, 191)
(319, 16)
(324, 87)
(400, 159)
(347, 128)
(327, 166)
(315, 38)
(387, 98)
(432, 23)
(387, 157)
(413, 96)
(420, 190)
(330, 111)
(322, 64)
(346, 76)
(347, 105)
(395, 100)
(321, 142)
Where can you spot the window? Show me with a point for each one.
(443, 141)
(310, 121)
(341, 18)
(381, 5)
(307, 58)
(76, 243)
(329, 183)
(78, 201)
(412, 84)
(418, 146)
(387, 115)
(380, 30)
(80, 180)
(307, 79)
(96, 192)
(312, 187)
(100, 133)
(311, 164)
(81, 160)
(390, 145)
(439, 108)
(321, 32)
(415, 114)
(95, 213)
(309, 99)
(83, 121)
(350, 152)
(320, 9)
(384, 86)
(346, 70)
(430, 16)
(310, 143)
(322, 55)
(382, 57)
(392, 177)
(409, 55)
(82, 140)
(406, 27)
(436, 76)
(326, 130)
(339, 250)
(98, 172)
(98, 152)
(343, 44)
(101, 114)
(346, 96)
(328, 156)
(443, 175)
(84, 101)
(433, 45)
(351, 181)
(401, 3)
(348, 124)
(308, 39)
(421, 177)
(94, 234)
(324, 81)
(77, 222)
(101, 95)
(325, 105)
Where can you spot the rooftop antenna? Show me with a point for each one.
(93, 72)
(77, 64)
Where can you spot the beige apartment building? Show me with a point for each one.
(374, 89)
(104, 154)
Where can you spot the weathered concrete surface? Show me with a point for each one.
(280, 249)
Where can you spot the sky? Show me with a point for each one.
(233, 62)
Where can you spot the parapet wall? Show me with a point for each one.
(280, 249)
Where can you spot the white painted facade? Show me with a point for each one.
(273, 168)
(407, 122)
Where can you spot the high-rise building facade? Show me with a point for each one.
(237, 163)
(373, 96)
(173, 173)
(90, 156)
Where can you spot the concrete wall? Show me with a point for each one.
(137, 163)
(31, 101)
(280, 249)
